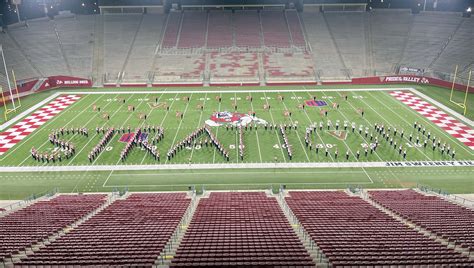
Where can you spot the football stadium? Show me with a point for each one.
(258, 133)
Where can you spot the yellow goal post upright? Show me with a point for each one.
(12, 96)
(462, 104)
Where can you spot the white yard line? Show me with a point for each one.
(444, 107)
(366, 142)
(30, 110)
(24, 141)
(426, 120)
(236, 134)
(85, 145)
(47, 141)
(256, 133)
(199, 124)
(297, 134)
(367, 174)
(106, 180)
(180, 123)
(125, 122)
(275, 130)
(403, 119)
(217, 131)
(317, 133)
(162, 120)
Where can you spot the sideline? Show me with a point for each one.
(403, 164)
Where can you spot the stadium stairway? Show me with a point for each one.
(164, 259)
(305, 238)
(36, 247)
(366, 196)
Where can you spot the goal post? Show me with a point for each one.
(463, 103)
(9, 84)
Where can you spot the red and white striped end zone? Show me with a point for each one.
(21, 130)
(460, 131)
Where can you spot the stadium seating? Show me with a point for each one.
(240, 229)
(457, 50)
(193, 30)
(427, 37)
(220, 32)
(294, 25)
(275, 29)
(176, 67)
(33, 224)
(349, 35)
(389, 36)
(40, 45)
(132, 231)
(343, 45)
(326, 61)
(288, 66)
(77, 41)
(173, 23)
(452, 222)
(119, 34)
(142, 53)
(350, 231)
(16, 59)
(234, 65)
(247, 29)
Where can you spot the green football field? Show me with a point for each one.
(204, 166)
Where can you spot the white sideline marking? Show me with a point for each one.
(230, 184)
(241, 91)
(30, 110)
(444, 107)
(423, 164)
(231, 173)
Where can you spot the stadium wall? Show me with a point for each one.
(408, 79)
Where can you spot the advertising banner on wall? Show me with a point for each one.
(69, 81)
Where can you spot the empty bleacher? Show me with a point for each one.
(241, 66)
(389, 36)
(326, 61)
(349, 35)
(458, 50)
(220, 32)
(40, 45)
(77, 40)
(129, 232)
(177, 67)
(351, 232)
(193, 30)
(288, 66)
(142, 54)
(172, 29)
(441, 217)
(240, 229)
(247, 29)
(35, 223)
(275, 29)
(119, 35)
(294, 26)
(16, 59)
(427, 37)
(128, 48)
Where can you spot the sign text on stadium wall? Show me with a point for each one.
(430, 164)
(410, 79)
